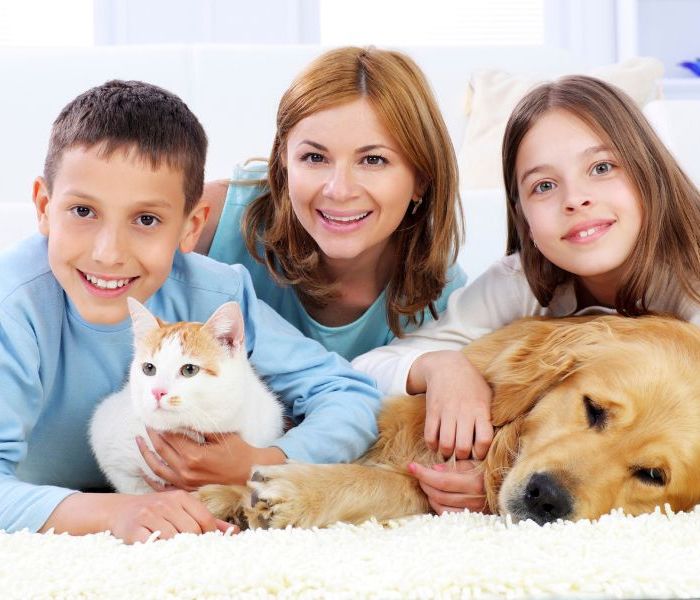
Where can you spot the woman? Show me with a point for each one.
(351, 229)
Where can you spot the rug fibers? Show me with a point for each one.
(454, 556)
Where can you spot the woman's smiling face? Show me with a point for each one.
(349, 184)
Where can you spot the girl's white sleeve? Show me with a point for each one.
(496, 298)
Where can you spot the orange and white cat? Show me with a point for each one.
(186, 377)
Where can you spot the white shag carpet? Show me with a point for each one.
(454, 556)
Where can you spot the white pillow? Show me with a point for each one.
(493, 94)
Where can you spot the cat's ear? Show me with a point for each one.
(226, 325)
(142, 321)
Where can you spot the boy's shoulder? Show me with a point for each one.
(26, 266)
(204, 274)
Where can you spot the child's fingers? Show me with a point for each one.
(483, 436)
(448, 429)
(155, 485)
(431, 428)
(164, 449)
(224, 526)
(159, 467)
(464, 438)
(199, 513)
(453, 491)
(465, 479)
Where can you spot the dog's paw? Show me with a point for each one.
(225, 502)
(281, 495)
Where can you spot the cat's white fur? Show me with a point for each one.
(235, 400)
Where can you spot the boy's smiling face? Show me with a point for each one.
(113, 225)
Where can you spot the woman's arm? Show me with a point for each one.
(214, 196)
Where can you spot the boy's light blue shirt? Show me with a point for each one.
(366, 333)
(56, 367)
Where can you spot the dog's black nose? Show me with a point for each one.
(545, 500)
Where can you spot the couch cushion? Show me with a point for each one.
(493, 94)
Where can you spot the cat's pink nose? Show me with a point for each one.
(158, 393)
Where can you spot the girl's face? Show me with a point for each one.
(583, 211)
(349, 185)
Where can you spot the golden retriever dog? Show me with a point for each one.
(591, 414)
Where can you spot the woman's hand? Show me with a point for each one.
(186, 464)
(452, 487)
(457, 404)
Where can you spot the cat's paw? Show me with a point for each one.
(225, 502)
(283, 495)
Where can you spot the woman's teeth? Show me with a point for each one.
(349, 219)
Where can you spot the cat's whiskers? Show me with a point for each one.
(202, 421)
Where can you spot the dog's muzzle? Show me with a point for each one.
(543, 499)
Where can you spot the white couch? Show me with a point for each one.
(234, 91)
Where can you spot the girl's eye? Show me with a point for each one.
(375, 159)
(148, 220)
(602, 168)
(82, 211)
(189, 370)
(544, 186)
(312, 157)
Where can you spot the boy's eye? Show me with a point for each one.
(148, 220)
(189, 370)
(312, 157)
(602, 168)
(375, 159)
(82, 211)
(544, 186)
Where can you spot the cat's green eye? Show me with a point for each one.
(189, 370)
(148, 369)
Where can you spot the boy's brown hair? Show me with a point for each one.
(668, 244)
(425, 242)
(121, 115)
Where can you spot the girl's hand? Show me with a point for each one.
(457, 404)
(135, 518)
(186, 464)
(452, 487)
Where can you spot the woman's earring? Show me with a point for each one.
(416, 204)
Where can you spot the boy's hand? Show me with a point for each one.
(135, 518)
(452, 487)
(185, 464)
(457, 404)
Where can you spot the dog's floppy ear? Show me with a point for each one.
(498, 461)
(525, 359)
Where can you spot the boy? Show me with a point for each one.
(117, 208)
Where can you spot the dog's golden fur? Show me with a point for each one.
(591, 414)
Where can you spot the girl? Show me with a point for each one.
(350, 229)
(600, 219)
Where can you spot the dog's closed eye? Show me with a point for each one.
(596, 415)
(650, 476)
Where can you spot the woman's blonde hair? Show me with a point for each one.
(668, 244)
(425, 243)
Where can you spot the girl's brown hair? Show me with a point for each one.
(668, 244)
(425, 243)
